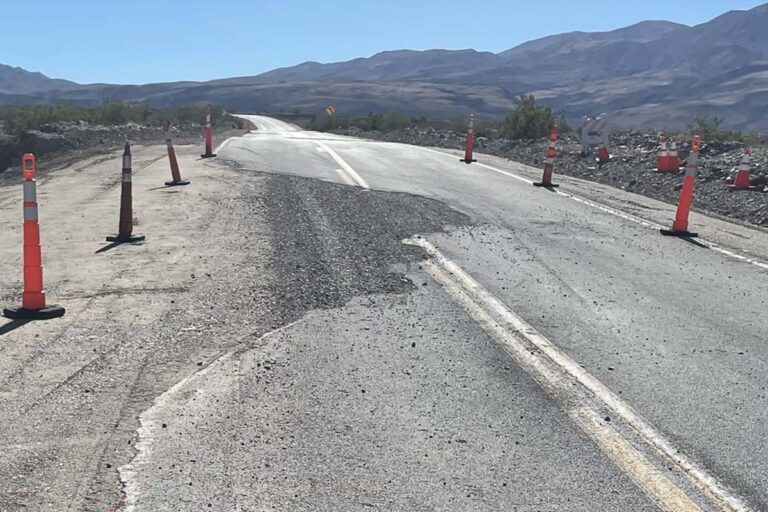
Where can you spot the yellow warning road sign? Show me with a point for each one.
(330, 110)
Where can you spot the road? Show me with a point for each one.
(328, 323)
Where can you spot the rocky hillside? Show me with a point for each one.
(652, 74)
(18, 81)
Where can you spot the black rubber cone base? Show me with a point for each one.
(19, 313)
(125, 239)
(467, 161)
(545, 185)
(208, 156)
(681, 234)
(176, 183)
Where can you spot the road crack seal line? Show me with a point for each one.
(151, 423)
(557, 373)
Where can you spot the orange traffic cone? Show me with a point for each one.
(680, 225)
(673, 160)
(741, 182)
(470, 144)
(549, 162)
(33, 305)
(662, 158)
(175, 174)
(125, 230)
(602, 155)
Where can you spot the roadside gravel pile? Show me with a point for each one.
(77, 139)
(631, 168)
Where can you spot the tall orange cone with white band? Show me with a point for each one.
(33, 305)
(741, 182)
(549, 163)
(208, 134)
(680, 225)
(125, 230)
(175, 174)
(470, 145)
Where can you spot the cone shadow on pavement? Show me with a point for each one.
(115, 242)
(685, 235)
(13, 325)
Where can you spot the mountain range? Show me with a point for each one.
(652, 74)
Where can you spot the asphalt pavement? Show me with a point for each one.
(673, 327)
(326, 323)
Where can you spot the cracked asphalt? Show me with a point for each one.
(274, 346)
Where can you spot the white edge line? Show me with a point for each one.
(578, 405)
(346, 177)
(698, 475)
(344, 165)
(145, 442)
(618, 213)
(221, 146)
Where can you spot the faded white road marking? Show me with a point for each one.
(482, 305)
(511, 175)
(618, 213)
(221, 146)
(345, 177)
(344, 165)
(152, 418)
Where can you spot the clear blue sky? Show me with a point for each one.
(140, 41)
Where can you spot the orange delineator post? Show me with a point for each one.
(125, 230)
(470, 145)
(208, 133)
(741, 182)
(680, 224)
(549, 162)
(33, 298)
(175, 174)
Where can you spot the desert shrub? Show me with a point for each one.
(708, 128)
(528, 120)
(16, 119)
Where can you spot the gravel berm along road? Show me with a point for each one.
(326, 323)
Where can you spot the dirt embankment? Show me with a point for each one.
(631, 167)
(58, 143)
